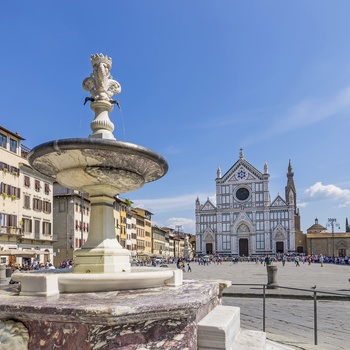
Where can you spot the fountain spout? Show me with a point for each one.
(102, 87)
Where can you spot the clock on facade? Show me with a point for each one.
(241, 174)
(242, 194)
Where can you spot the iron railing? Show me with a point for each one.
(314, 291)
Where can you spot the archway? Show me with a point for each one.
(209, 248)
(243, 247)
(279, 247)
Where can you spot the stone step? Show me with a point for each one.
(249, 340)
(220, 330)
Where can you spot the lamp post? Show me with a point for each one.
(333, 222)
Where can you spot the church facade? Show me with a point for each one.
(245, 221)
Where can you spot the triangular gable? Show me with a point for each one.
(208, 205)
(243, 218)
(279, 228)
(278, 202)
(240, 167)
(279, 232)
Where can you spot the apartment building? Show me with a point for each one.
(71, 221)
(26, 208)
(159, 241)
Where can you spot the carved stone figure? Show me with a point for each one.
(13, 335)
(100, 84)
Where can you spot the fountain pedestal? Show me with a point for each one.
(156, 318)
(101, 253)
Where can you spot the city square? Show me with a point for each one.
(289, 313)
(100, 234)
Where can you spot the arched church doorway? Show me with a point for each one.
(279, 247)
(243, 247)
(209, 248)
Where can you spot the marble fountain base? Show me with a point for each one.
(152, 318)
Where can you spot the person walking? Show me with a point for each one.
(296, 261)
(189, 268)
(321, 260)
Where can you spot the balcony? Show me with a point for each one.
(11, 230)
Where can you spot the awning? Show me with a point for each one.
(22, 253)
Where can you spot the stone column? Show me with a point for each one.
(272, 277)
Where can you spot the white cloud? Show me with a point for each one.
(187, 225)
(305, 113)
(171, 204)
(169, 211)
(318, 191)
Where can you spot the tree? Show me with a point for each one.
(129, 203)
(347, 227)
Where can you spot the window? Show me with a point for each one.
(26, 181)
(226, 242)
(26, 204)
(27, 225)
(225, 189)
(13, 145)
(3, 221)
(259, 225)
(226, 227)
(37, 204)
(47, 189)
(4, 166)
(37, 185)
(260, 215)
(3, 140)
(46, 228)
(260, 244)
(10, 190)
(12, 220)
(46, 207)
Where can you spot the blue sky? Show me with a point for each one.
(200, 79)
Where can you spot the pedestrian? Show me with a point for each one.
(189, 268)
(321, 260)
(296, 261)
(283, 260)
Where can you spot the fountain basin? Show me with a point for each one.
(98, 166)
(50, 284)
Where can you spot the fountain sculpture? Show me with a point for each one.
(102, 167)
(135, 308)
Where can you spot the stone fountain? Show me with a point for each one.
(105, 303)
(102, 167)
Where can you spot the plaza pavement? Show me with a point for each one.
(289, 313)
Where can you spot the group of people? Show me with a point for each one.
(181, 264)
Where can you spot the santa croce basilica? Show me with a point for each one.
(245, 221)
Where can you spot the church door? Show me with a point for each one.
(209, 248)
(279, 247)
(243, 247)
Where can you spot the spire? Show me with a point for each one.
(291, 193)
(241, 154)
(266, 168)
(218, 172)
(316, 221)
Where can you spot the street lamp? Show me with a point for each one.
(333, 222)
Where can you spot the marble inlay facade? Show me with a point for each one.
(245, 221)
